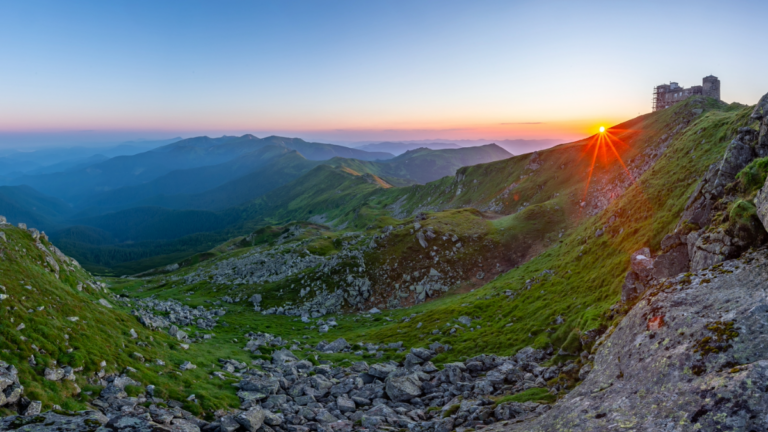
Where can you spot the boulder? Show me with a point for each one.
(761, 202)
(403, 388)
(423, 353)
(381, 370)
(336, 346)
(33, 408)
(422, 240)
(178, 334)
(671, 241)
(131, 423)
(761, 113)
(711, 248)
(252, 419)
(632, 288)
(345, 404)
(671, 263)
(642, 262)
(283, 356)
(187, 366)
(263, 385)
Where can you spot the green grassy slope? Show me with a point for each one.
(579, 278)
(46, 306)
(578, 274)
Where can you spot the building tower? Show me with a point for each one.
(711, 87)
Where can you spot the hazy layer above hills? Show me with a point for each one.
(15, 162)
(514, 146)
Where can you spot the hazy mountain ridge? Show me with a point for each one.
(514, 146)
(189, 153)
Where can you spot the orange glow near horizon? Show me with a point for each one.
(342, 129)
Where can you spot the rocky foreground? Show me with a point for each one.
(288, 394)
(691, 355)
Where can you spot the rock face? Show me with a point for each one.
(761, 114)
(741, 151)
(671, 263)
(689, 356)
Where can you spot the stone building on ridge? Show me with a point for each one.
(666, 95)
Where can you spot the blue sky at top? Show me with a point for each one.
(357, 70)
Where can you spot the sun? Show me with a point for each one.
(602, 129)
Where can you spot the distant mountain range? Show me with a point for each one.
(515, 146)
(122, 171)
(14, 162)
(423, 165)
(402, 147)
(189, 194)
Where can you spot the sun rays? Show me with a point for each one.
(604, 144)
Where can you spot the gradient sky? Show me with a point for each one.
(362, 70)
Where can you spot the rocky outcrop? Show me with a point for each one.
(699, 208)
(674, 258)
(10, 388)
(177, 313)
(689, 356)
(761, 114)
(642, 264)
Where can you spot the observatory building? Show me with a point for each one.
(666, 95)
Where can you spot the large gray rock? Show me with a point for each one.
(178, 334)
(381, 370)
(740, 152)
(403, 388)
(283, 356)
(345, 404)
(632, 288)
(132, 423)
(689, 356)
(336, 346)
(252, 419)
(33, 408)
(761, 202)
(761, 114)
(671, 263)
(642, 263)
(421, 239)
(710, 248)
(264, 385)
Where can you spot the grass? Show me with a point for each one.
(541, 395)
(752, 177)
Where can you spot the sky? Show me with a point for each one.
(343, 71)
